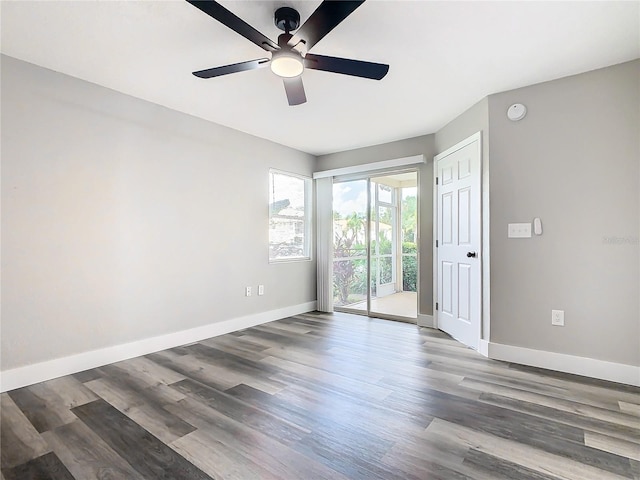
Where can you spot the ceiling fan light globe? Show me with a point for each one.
(287, 65)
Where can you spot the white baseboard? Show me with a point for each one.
(588, 367)
(425, 320)
(40, 372)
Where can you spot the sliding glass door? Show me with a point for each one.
(375, 247)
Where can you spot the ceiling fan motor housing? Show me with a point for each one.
(287, 19)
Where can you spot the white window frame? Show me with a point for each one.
(308, 186)
(390, 287)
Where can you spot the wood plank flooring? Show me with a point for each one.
(320, 396)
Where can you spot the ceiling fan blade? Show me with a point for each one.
(224, 16)
(345, 66)
(326, 17)
(236, 67)
(295, 90)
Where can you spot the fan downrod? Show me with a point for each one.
(287, 19)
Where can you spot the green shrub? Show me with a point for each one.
(409, 268)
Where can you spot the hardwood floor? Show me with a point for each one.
(321, 397)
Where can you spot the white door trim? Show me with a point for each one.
(476, 137)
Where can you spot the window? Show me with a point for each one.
(289, 216)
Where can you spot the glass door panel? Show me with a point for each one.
(350, 245)
(409, 222)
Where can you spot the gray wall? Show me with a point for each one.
(123, 220)
(573, 161)
(475, 119)
(387, 151)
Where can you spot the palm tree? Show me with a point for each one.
(356, 223)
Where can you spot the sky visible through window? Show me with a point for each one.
(286, 187)
(351, 197)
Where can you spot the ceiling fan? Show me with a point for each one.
(288, 56)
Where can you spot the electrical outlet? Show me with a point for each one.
(260, 289)
(557, 318)
(247, 292)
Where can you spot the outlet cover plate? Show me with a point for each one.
(557, 318)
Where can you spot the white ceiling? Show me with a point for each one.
(444, 57)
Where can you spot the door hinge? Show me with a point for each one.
(436, 180)
(436, 243)
(436, 305)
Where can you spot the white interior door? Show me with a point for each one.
(459, 290)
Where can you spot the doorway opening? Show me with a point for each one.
(375, 245)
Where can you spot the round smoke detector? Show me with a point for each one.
(516, 112)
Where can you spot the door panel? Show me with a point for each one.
(447, 218)
(447, 288)
(464, 217)
(350, 245)
(464, 167)
(458, 234)
(464, 292)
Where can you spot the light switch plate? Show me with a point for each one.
(519, 230)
